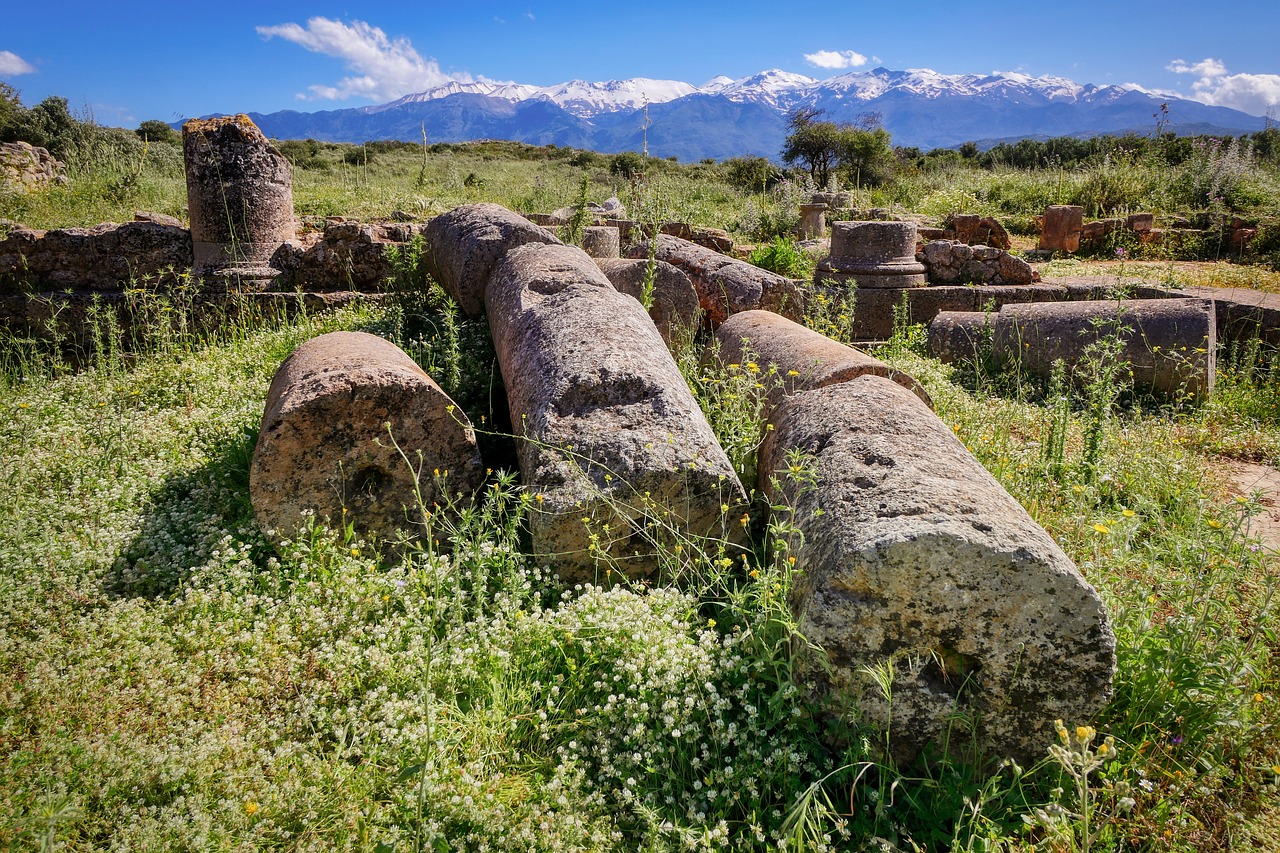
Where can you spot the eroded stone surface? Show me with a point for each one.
(614, 445)
(912, 554)
(240, 199)
(726, 285)
(875, 254)
(675, 310)
(1167, 345)
(1060, 228)
(325, 443)
(601, 241)
(25, 168)
(804, 359)
(109, 256)
(465, 244)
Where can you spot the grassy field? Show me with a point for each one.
(172, 682)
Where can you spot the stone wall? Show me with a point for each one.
(25, 168)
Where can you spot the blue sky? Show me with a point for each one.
(126, 62)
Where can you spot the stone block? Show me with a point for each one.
(1060, 228)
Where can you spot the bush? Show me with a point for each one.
(627, 164)
(784, 257)
(753, 174)
(154, 130)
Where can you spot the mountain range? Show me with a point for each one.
(727, 118)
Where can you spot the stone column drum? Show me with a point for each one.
(464, 244)
(725, 285)
(813, 221)
(240, 198)
(805, 359)
(874, 254)
(613, 444)
(914, 561)
(1168, 345)
(325, 446)
(602, 241)
(674, 309)
(1060, 228)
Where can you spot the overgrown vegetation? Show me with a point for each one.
(172, 682)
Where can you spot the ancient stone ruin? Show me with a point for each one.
(1167, 346)
(354, 432)
(914, 561)
(26, 168)
(1060, 228)
(911, 560)
(240, 199)
(610, 436)
(874, 255)
(725, 285)
(674, 305)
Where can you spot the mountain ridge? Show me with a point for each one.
(747, 116)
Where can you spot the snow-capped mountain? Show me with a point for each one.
(726, 117)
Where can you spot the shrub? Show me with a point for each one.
(627, 164)
(784, 257)
(754, 174)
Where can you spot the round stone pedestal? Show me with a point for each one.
(875, 254)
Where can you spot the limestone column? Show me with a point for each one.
(874, 254)
(914, 562)
(325, 445)
(240, 199)
(613, 444)
(805, 359)
(813, 221)
(601, 241)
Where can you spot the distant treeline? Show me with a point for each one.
(1069, 152)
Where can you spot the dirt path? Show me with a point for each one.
(1247, 479)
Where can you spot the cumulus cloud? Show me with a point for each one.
(384, 68)
(11, 65)
(1250, 93)
(836, 59)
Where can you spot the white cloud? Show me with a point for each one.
(835, 59)
(1250, 93)
(384, 68)
(11, 65)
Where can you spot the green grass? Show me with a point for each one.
(171, 682)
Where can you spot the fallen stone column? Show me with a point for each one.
(466, 243)
(912, 555)
(1169, 345)
(674, 309)
(959, 336)
(614, 445)
(726, 285)
(805, 359)
(240, 198)
(324, 446)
